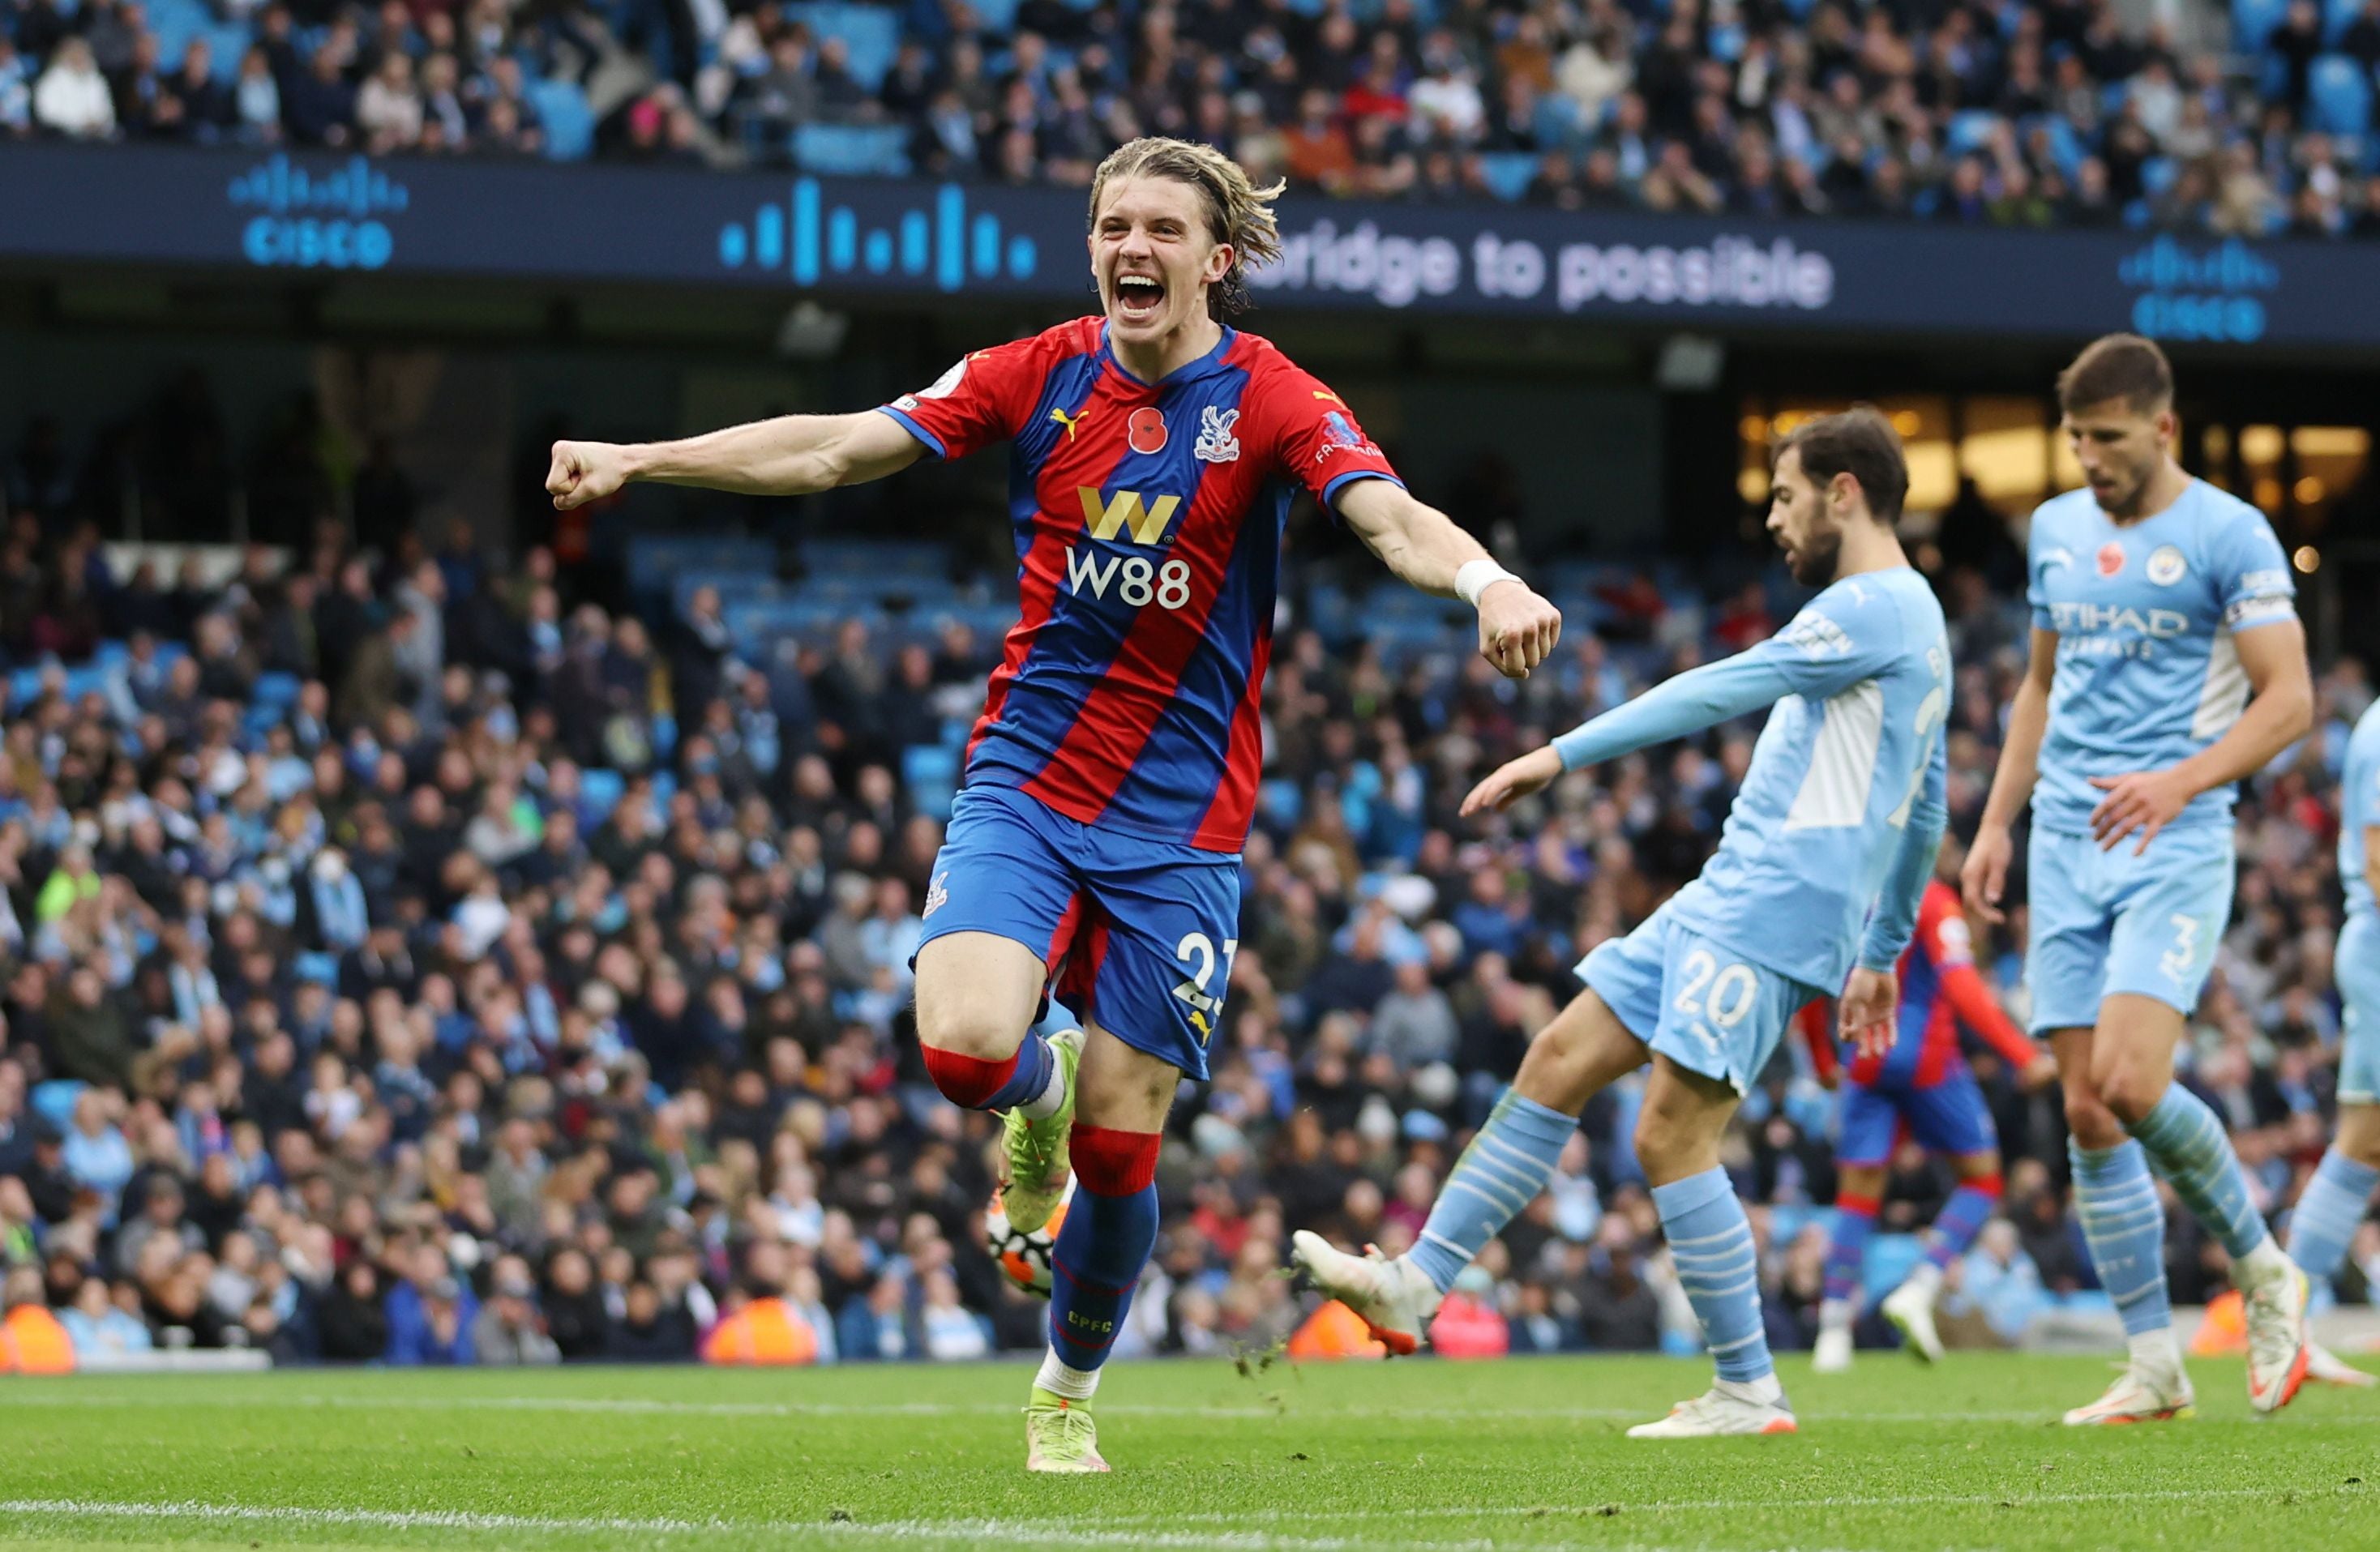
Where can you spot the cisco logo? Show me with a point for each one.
(311, 221)
(807, 241)
(2205, 295)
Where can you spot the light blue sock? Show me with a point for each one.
(2124, 1223)
(2329, 1212)
(2188, 1147)
(1711, 1242)
(1497, 1176)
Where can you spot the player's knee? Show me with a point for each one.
(2093, 1124)
(1112, 1163)
(977, 1033)
(965, 1080)
(1984, 1180)
(2130, 1093)
(1666, 1148)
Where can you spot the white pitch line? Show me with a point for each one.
(2016, 1498)
(624, 1405)
(976, 1532)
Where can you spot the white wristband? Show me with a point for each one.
(1475, 578)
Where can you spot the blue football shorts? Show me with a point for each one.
(1704, 1006)
(2106, 922)
(1135, 935)
(2357, 971)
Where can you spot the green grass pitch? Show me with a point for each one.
(1426, 1454)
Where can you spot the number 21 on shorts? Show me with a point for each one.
(1198, 950)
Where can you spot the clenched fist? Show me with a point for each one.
(585, 471)
(1517, 628)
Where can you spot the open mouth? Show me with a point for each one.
(1138, 297)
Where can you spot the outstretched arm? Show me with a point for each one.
(791, 455)
(1698, 699)
(1422, 545)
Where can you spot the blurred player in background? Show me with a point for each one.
(1920, 1087)
(2168, 663)
(2333, 1202)
(1828, 845)
(1110, 780)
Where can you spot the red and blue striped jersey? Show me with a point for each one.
(1149, 523)
(1940, 990)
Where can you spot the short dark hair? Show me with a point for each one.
(1859, 442)
(2121, 367)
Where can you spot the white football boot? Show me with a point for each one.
(2278, 1349)
(1716, 1413)
(2137, 1396)
(1394, 1298)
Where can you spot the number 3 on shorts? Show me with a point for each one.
(2182, 957)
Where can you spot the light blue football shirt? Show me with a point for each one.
(2147, 671)
(2358, 810)
(1842, 765)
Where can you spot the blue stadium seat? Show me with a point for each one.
(861, 556)
(852, 150)
(735, 586)
(873, 35)
(2338, 96)
(930, 771)
(1507, 173)
(653, 561)
(322, 968)
(1559, 121)
(1970, 130)
(55, 1100)
(569, 122)
(598, 794)
(1890, 1259)
(2252, 22)
(275, 690)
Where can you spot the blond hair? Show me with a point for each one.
(1237, 211)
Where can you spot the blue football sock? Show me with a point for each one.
(1034, 1059)
(1497, 1176)
(2124, 1224)
(1961, 1219)
(2188, 1147)
(1847, 1251)
(1095, 1266)
(2329, 1212)
(1711, 1242)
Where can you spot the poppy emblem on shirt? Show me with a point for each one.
(2111, 558)
(2167, 565)
(1144, 432)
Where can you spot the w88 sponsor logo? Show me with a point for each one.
(1137, 579)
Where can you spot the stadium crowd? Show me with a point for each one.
(416, 956)
(1996, 113)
